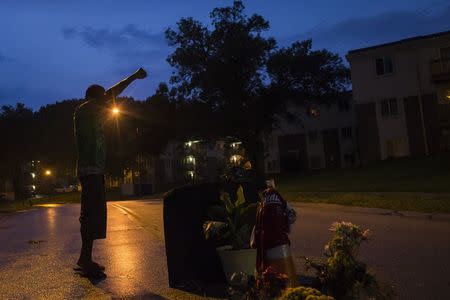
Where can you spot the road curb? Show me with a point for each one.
(442, 217)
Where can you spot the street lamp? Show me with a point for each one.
(115, 111)
(48, 172)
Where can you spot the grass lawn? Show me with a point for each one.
(12, 206)
(405, 184)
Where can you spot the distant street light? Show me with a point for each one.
(115, 111)
(48, 172)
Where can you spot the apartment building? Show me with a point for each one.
(322, 137)
(402, 97)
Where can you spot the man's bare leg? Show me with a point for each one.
(85, 262)
(86, 252)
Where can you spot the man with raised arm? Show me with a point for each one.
(89, 118)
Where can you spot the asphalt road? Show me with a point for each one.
(39, 247)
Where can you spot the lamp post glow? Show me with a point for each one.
(115, 111)
(48, 172)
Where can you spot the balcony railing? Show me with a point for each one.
(440, 70)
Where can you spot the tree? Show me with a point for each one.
(16, 127)
(242, 77)
(55, 143)
(302, 75)
(223, 67)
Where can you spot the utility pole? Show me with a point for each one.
(422, 120)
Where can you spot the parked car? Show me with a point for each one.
(66, 189)
(30, 191)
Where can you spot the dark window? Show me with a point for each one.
(344, 105)
(346, 132)
(389, 107)
(380, 66)
(445, 53)
(315, 162)
(313, 136)
(349, 158)
(274, 165)
(388, 66)
(384, 108)
(384, 65)
(393, 106)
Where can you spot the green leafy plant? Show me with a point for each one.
(342, 275)
(232, 221)
(303, 293)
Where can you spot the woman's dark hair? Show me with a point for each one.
(94, 91)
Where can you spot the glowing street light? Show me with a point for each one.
(48, 172)
(115, 111)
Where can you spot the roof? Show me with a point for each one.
(416, 38)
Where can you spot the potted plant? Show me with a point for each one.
(231, 225)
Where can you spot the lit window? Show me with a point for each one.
(235, 159)
(235, 145)
(313, 112)
(190, 159)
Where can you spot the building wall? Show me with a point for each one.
(415, 91)
(312, 142)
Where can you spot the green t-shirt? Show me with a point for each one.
(90, 138)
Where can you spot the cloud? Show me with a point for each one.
(387, 27)
(131, 47)
(127, 37)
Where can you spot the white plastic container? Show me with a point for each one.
(237, 260)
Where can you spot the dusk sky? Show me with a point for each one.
(52, 50)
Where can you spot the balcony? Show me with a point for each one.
(440, 70)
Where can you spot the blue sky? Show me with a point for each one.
(52, 50)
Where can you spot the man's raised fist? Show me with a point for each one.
(141, 73)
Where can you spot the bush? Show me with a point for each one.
(304, 293)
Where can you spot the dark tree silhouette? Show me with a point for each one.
(303, 76)
(17, 134)
(55, 142)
